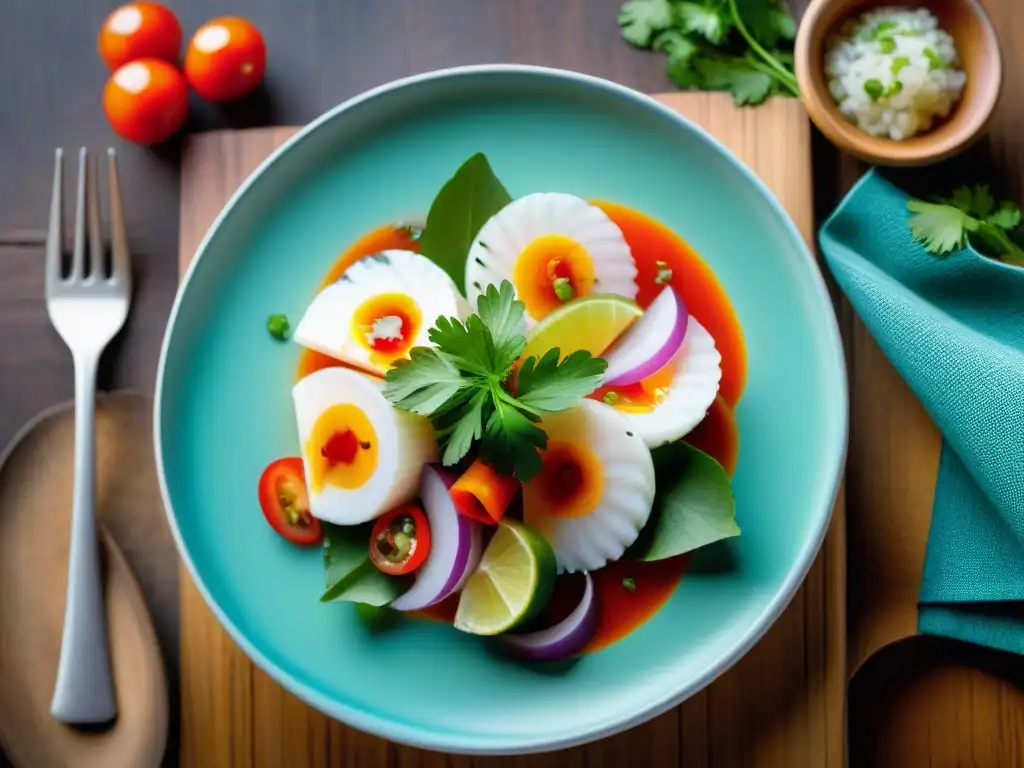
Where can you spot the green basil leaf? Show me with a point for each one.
(348, 572)
(693, 504)
(464, 204)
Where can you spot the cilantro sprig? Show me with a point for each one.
(744, 47)
(970, 214)
(464, 384)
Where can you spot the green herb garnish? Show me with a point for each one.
(664, 273)
(887, 45)
(463, 385)
(970, 214)
(934, 60)
(278, 327)
(882, 29)
(349, 574)
(894, 87)
(740, 46)
(899, 63)
(874, 89)
(628, 584)
(693, 504)
(464, 204)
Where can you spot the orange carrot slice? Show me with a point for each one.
(483, 494)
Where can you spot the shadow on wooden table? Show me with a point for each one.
(928, 700)
(755, 715)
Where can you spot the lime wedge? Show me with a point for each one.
(513, 582)
(590, 323)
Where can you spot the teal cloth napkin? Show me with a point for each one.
(953, 327)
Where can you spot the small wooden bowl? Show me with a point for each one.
(978, 46)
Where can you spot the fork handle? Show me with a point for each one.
(84, 691)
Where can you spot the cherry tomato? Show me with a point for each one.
(139, 31)
(146, 101)
(400, 541)
(285, 502)
(225, 59)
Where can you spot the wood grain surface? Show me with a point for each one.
(939, 704)
(788, 692)
(37, 476)
(918, 701)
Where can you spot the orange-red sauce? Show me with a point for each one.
(381, 239)
(622, 608)
(717, 435)
(705, 299)
(643, 396)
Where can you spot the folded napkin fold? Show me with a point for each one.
(953, 327)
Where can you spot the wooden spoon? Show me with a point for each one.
(36, 480)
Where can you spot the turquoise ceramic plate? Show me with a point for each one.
(223, 408)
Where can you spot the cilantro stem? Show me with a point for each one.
(760, 66)
(784, 75)
(1011, 252)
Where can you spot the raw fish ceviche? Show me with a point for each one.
(514, 416)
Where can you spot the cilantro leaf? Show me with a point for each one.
(700, 38)
(782, 21)
(1007, 217)
(461, 384)
(424, 382)
(976, 201)
(640, 19)
(767, 21)
(469, 346)
(746, 84)
(511, 441)
(983, 202)
(467, 429)
(502, 314)
(704, 21)
(677, 45)
(969, 214)
(744, 47)
(466, 201)
(548, 386)
(941, 228)
(682, 72)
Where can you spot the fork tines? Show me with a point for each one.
(88, 265)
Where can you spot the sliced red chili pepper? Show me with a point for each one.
(400, 541)
(285, 502)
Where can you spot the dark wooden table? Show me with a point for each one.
(321, 52)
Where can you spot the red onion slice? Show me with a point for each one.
(649, 343)
(456, 544)
(562, 640)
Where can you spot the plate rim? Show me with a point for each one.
(514, 744)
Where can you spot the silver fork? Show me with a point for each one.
(88, 307)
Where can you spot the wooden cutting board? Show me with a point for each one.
(781, 706)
